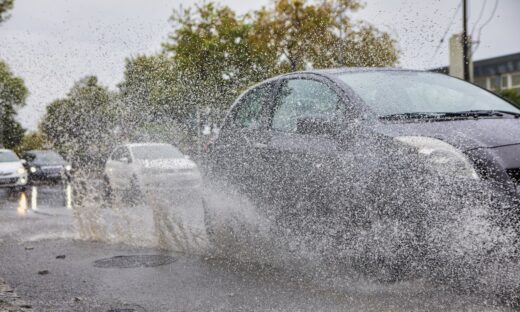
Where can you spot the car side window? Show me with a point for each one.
(300, 98)
(120, 153)
(247, 114)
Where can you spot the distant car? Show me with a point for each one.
(46, 165)
(142, 166)
(12, 172)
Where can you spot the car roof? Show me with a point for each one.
(5, 150)
(346, 70)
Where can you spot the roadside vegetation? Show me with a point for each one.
(181, 94)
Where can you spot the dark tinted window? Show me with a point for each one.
(300, 98)
(120, 153)
(48, 156)
(247, 114)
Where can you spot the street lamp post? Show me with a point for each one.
(465, 40)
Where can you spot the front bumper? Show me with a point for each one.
(14, 180)
(51, 173)
(171, 181)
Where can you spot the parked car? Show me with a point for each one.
(46, 165)
(343, 152)
(12, 172)
(144, 166)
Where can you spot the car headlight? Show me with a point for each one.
(21, 170)
(444, 157)
(68, 167)
(33, 169)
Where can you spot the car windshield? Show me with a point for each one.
(47, 157)
(401, 92)
(8, 156)
(152, 152)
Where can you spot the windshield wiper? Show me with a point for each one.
(474, 113)
(414, 115)
(462, 114)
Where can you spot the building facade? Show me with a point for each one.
(498, 73)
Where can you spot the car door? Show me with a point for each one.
(236, 151)
(303, 160)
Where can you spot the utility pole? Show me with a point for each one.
(465, 40)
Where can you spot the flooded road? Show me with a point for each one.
(50, 252)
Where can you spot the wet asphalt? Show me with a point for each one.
(53, 267)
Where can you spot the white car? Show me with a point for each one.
(145, 166)
(12, 172)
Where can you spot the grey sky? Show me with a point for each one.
(52, 43)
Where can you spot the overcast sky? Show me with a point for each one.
(52, 43)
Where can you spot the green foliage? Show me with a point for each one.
(211, 56)
(13, 94)
(218, 54)
(147, 93)
(5, 6)
(511, 95)
(81, 125)
(31, 141)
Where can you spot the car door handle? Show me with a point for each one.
(260, 145)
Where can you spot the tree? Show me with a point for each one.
(5, 6)
(307, 34)
(219, 54)
(153, 104)
(511, 95)
(81, 125)
(31, 141)
(215, 57)
(13, 94)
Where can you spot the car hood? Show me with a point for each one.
(463, 134)
(176, 163)
(9, 166)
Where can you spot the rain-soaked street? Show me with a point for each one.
(52, 264)
(269, 155)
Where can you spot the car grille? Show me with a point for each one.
(8, 181)
(514, 175)
(51, 170)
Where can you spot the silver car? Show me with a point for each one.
(12, 172)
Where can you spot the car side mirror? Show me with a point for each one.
(317, 125)
(125, 160)
(187, 157)
(23, 161)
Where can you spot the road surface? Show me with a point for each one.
(52, 260)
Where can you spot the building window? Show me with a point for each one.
(494, 83)
(504, 84)
(515, 80)
(481, 82)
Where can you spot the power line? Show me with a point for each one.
(480, 14)
(485, 24)
(446, 32)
